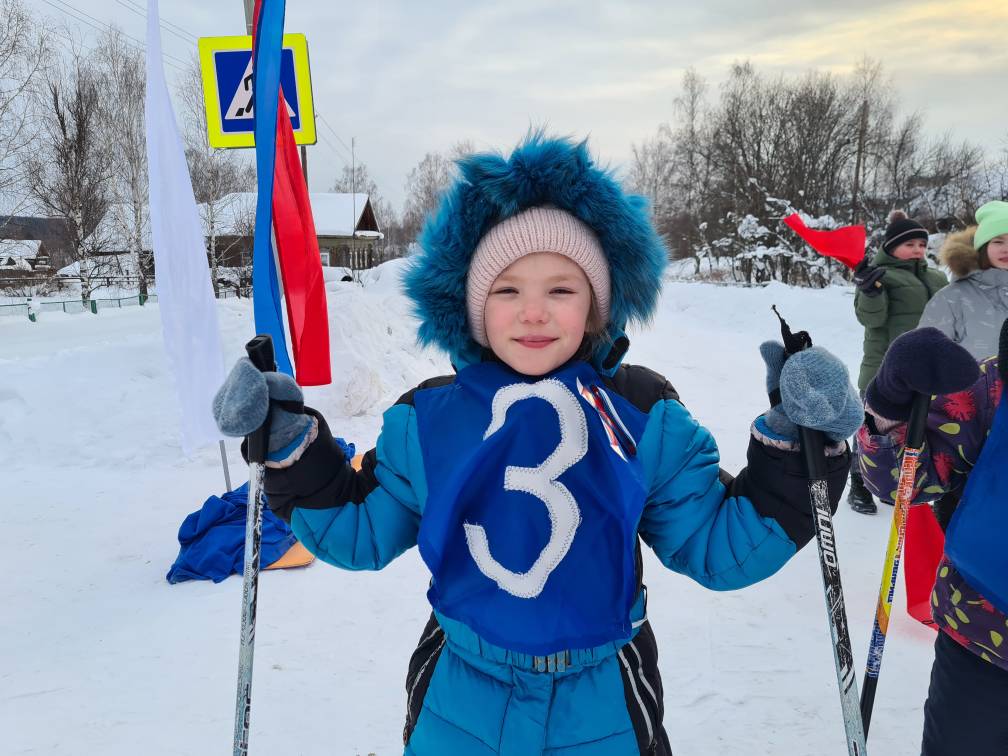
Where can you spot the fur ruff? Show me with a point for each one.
(958, 255)
(490, 188)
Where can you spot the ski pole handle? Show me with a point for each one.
(813, 451)
(917, 424)
(260, 352)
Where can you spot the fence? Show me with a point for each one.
(74, 306)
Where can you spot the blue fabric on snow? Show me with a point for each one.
(212, 539)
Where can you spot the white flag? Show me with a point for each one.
(185, 294)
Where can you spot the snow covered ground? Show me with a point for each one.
(100, 655)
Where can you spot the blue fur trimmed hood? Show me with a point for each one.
(540, 171)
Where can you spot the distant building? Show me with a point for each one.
(51, 235)
(345, 225)
(23, 262)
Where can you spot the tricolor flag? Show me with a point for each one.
(185, 295)
(846, 244)
(284, 227)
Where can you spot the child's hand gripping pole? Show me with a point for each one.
(813, 452)
(260, 352)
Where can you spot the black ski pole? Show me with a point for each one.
(814, 455)
(260, 352)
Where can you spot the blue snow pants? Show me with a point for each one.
(466, 697)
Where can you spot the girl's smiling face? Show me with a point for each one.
(537, 312)
(997, 252)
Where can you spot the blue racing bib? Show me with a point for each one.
(534, 498)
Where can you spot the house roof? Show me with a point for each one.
(335, 214)
(19, 248)
(54, 232)
(13, 262)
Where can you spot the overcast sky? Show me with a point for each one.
(406, 77)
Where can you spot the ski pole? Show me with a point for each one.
(260, 352)
(814, 456)
(913, 446)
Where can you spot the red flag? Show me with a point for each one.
(846, 244)
(297, 250)
(300, 261)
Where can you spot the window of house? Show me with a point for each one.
(325, 257)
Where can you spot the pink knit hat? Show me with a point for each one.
(538, 229)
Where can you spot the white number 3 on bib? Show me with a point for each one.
(540, 482)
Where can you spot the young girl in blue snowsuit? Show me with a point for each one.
(529, 477)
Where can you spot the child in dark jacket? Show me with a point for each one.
(891, 293)
(529, 477)
(965, 712)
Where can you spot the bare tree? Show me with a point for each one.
(425, 184)
(22, 52)
(122, 69)
(722, 176)
(71, 166)
(216, 173)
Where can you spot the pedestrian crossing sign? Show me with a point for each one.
(226, 65)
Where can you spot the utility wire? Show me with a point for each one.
(163, 24)
(180, 65)
(171, 25)
(100, 26)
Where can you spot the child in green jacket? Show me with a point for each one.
(892, 291)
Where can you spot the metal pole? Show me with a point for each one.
(304, 164)
(353, 199)
(249, 11)
(223, 459)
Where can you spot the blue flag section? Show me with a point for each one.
(266, 57)
(535, 494)
(975, 538)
